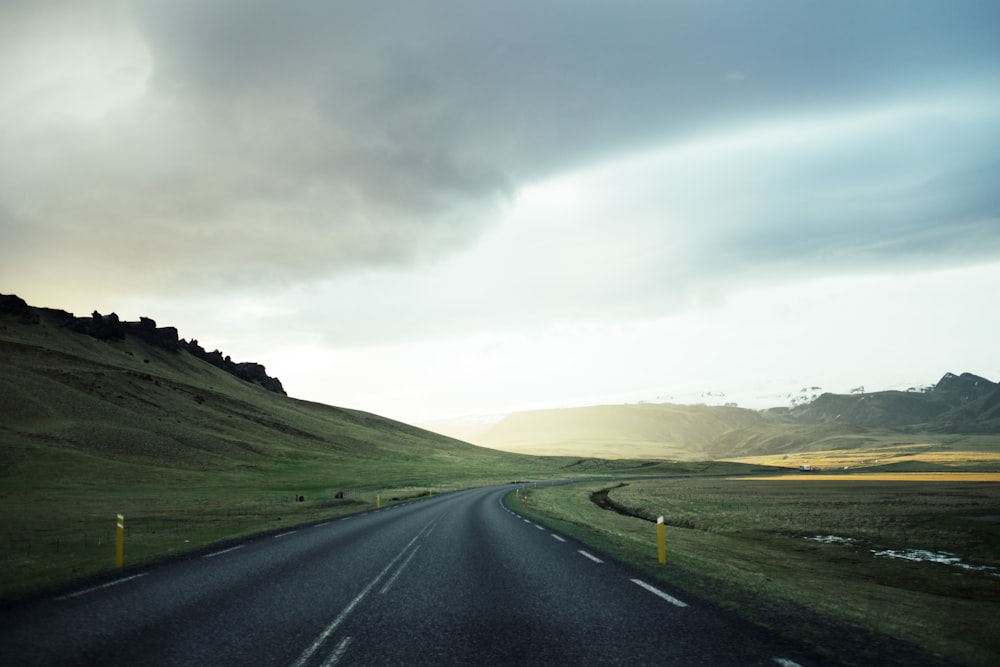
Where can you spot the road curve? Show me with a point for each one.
(453, 580)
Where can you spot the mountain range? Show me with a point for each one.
(962, 404)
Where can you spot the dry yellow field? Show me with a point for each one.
(960, 452)
(879, 477)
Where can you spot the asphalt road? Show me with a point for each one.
(451, 580)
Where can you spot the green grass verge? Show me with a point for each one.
(745, 550)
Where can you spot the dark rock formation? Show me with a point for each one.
(102, 327)
(247, 370)
(146, 329)
(252, 372)
(112, 328)
(17, 307)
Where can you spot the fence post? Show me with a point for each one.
(120, 542)
(661, 539)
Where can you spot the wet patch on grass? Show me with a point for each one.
(914, 555)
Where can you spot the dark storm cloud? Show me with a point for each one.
(923, 197)
(534, 86)
(290, 141)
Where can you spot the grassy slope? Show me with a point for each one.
(189, 453)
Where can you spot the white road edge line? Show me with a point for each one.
(539, 527)
(785, 662)
(224, 551)
(338, 652)
(554, 536)
(97, 588)
(346, 611)
(590, 556)
(285, 534)
(321, 524)
(656, 591)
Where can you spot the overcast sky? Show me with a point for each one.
(437, 208)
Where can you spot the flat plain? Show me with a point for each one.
(915, 556)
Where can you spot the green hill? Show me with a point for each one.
(99, 416)
(127, 402)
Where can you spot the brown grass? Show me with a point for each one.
(959, 452)
(880, 477)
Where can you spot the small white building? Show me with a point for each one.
(805, 468)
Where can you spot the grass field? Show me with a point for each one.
(53, 534)
(189, 454)
(813, 543)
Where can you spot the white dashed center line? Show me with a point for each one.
(590, 556)
(338, 652)
(657, 592)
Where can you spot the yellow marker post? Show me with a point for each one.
(120, 542)
(378, 502)
(661, 539)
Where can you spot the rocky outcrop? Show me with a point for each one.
(253, 372)
(102, 327)
(146, 329)
(15, 306)
(112, 328)
(246, 370)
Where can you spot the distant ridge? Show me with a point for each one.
(961, 404)
(111, 328)
(957, 403)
